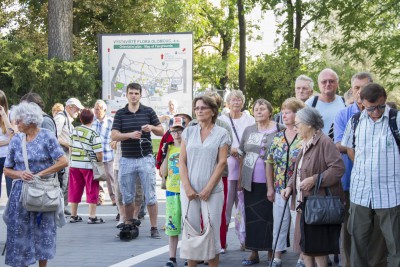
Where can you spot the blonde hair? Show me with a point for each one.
(4, 104)
(293, 104)
(58, 107)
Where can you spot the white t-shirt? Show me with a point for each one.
(328, 111)
(240, 124)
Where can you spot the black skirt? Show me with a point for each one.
(259, 218)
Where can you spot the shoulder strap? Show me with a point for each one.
(234, 128)
(25, 153)
(393, 126)
(354, 122)
(51, 118)
(315, 101)
(344, 101)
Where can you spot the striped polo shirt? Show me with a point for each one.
(85, 143)
(126, 122)
(375, 178)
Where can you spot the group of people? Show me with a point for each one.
(275, 161)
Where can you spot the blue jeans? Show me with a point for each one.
(132, 168)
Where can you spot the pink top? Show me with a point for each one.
(259, 174)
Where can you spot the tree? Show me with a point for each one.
(60, 29)
(242, 45)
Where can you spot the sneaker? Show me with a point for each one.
(170, 264)
(276, 264)
(300, 264)
(329, 261)
(67, 212)
(128, 232)
(222, 251)
(120, 224)
(154, 233)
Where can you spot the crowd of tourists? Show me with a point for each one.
(319, 147)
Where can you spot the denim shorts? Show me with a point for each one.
(132, 168)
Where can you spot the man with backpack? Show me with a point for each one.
(373, 143)
(64, 131)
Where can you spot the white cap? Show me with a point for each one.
(74, 101)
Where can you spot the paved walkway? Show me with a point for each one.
(84, 245)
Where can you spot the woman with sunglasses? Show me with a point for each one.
(253, 151)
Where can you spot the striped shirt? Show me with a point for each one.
(84, 142)
(375, 178)
(127, 122)
(103, 128)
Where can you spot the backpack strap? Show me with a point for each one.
(51, 118)
(394, 127)
(315, 101)
(354, 122)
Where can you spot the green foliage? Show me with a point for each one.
(54, 80)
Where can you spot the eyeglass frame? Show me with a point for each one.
(377, 107)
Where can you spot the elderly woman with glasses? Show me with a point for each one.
(203, 157)
(253, 151)
(318, 156)
(31, 236)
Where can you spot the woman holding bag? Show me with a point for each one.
(318, 156)
(204, 153)
(31, 236)
(85, 143)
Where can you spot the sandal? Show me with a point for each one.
(250, 262)
(95, 220)
(75, 219)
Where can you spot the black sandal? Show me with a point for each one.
(95, 220)
(75, 219)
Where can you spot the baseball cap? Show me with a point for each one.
(185, 112)
(74, 101)
(177, 122)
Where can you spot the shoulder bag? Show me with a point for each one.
(99, 172)
(195, 245)
(326, 209)
(40, 194)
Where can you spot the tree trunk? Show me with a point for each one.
(60, 29)
(290, 26)
(242, 46)
(299, 18)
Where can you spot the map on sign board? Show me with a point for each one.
(161, 63)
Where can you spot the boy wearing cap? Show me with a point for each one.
(170, 169)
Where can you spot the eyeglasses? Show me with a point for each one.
(201, 108)
(372, 109)
(296, 125)
(176, 132)
(238, 100)
(328, 81)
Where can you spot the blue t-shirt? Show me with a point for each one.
(328, 111)
(341, 120)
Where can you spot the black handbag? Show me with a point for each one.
(326, 209)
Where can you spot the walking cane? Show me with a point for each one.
(279, 230)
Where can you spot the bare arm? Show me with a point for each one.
(216, 175)
(350, 153)
(270, 182)
(183, 172)
(118, 136)
(341, 148)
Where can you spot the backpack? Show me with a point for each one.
(314, 104)
(392, 125)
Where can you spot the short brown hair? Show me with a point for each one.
(293, 104)
(209, 101)
(262, 101)
(86, 116)
(216, 96)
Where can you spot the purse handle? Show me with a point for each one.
(25, 153)
(318, 185)
(187, 211)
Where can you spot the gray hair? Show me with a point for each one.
(362, 76)
(311, 117)
(330, 71)
(307, 79)
(28, 113)
(235, 93)
(101, 103)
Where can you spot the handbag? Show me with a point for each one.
(99, 172)
(240, 219)
(40, 194)
(326, 209)
(195, 245)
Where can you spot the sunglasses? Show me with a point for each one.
(372, 109)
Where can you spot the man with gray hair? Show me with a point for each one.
(328, 103)
(102, 125)
(303, 87)
(377, 243)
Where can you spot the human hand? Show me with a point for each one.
(205, 194)
(26, 176)
(113, 144)
(136, 135)
(271, 194)
(307, 184)
(285, 193)
(234, 152)
(191, 194)
(147, 128)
